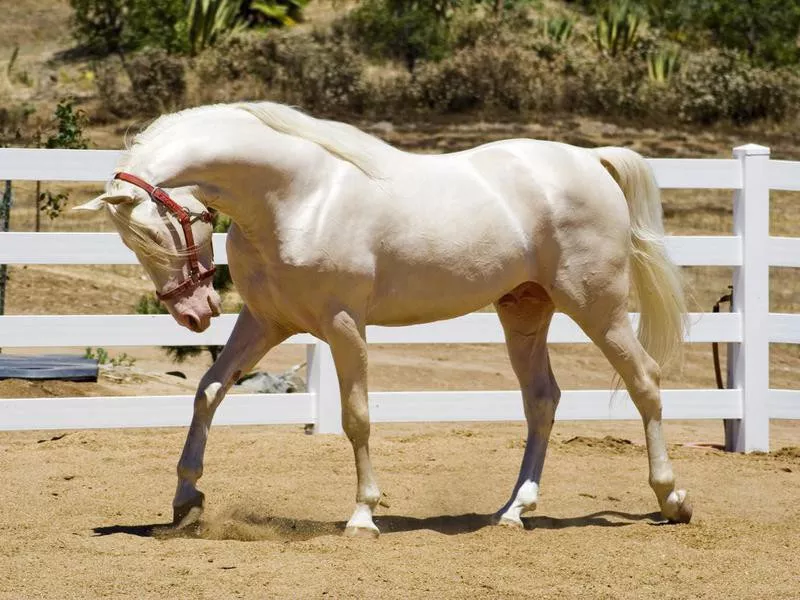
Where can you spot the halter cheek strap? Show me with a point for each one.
(185, 218)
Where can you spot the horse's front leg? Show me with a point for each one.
(249, 341)
(348, 345)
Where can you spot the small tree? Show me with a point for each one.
(68, 135)
(407, 30)
(105, 27)
(765, 30)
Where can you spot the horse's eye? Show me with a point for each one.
(155, 236)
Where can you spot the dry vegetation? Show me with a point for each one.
(44, 73)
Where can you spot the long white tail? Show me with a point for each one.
(656, 280)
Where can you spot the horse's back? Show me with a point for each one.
(463, 229)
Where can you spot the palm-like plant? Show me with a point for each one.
(617, 27)
(559, 29)
(209, 20)
(663, 63)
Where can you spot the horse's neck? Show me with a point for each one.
(246, 172)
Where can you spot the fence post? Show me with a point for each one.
(5, 214)
(323, 383)
(750, 360)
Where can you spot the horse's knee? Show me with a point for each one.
(355, 423)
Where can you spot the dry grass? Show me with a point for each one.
(34, 26)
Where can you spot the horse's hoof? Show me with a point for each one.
(360, 531)
(678, 507)
(188, 514)
(507, 521)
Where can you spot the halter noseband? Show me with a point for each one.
(185, 218)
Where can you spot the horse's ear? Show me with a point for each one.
(101, 201)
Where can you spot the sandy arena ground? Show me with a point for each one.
(82, 513)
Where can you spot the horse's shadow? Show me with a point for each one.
(244, 525)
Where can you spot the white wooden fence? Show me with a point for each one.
(748, 329)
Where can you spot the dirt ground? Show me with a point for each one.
(82, 515)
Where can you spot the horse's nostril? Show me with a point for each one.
(192, 322)
(215, 311)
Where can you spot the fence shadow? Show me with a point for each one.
(243, 525)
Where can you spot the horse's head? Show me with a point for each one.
(170, 233)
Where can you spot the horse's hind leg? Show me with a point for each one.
(525, 315)
(606, 322)
(249, 341)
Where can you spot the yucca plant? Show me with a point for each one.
(209, 20)
(559, 29)
(663, 63)
(283, 13)
(617, 27)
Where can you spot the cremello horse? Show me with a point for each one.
(334, 230)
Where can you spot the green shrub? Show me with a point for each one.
(407, 31)
(104, 27)
(102, 357)
(69, 125)
(113, 88)
(471, 25)
(604, 86)
(764, 30)
(158, 81)
(317, 73)
(508, 79)
(68, 134)
(388, 94)
(723, 85)
(151, 82)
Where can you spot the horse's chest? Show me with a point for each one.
(270, 287)
(254, 282)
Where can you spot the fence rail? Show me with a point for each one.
(749, 329)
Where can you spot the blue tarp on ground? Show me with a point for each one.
(48, 366)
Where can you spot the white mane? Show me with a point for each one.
(340, 139)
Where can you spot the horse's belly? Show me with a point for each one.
(432, 294)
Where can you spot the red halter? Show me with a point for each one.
(185, 218)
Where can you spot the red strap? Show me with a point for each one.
(185, 284)
(158, 195)
(185, 219)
